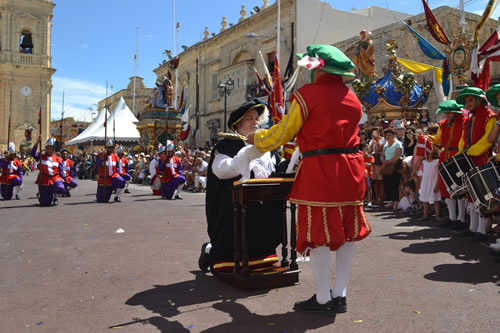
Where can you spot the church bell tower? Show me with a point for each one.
(25, 70)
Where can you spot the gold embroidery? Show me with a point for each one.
(341, 220)
(325, 224)
(326, 204)
(303, 105)
(356, 226)
(309, 222)
(365, 220)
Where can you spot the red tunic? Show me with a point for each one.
(122, 162)
(329, 189)
(450, 137)
(66, 168)
(10, 172)
(482, 115)
(108, 171)
(49, 170)
(171, 169)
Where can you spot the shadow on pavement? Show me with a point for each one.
(166, 301)
(23, 206)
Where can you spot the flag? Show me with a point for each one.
(424, 146)
(446, 77)
(492, 44)
(490, 7)
(425, 46)
(433, 26)
(481, 58)
(181, 102)
(276, 104)
(262, 85)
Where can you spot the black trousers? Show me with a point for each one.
(391, 186)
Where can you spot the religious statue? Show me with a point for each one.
(365, 57)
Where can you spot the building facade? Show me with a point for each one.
(25, 68)
(142, 96)
(234, 50)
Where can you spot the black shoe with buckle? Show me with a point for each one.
(55, 202)
(17, 197)
(117, 199)
(459, 225)
(340, 304)
(465, 233)
(479, 237)
(126, 191)
(68, 194)
(446, 224)
(204, 260)
(178, 197)
(312, 306)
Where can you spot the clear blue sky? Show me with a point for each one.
(94, 41)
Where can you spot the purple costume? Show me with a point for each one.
(71, 173)
(168, 188)
(46, 192)
(7, 189)
(104, 192)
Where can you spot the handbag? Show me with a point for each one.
(388, 170)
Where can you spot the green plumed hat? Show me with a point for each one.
(449, 106)
(327, 58)
(471, 91)
(491, 94)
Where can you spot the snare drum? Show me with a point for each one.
(453, 171)
(483, 183)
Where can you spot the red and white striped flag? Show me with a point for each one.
(424, 146)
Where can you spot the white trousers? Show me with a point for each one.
(452, 209)
(200, 179)
(320, 266)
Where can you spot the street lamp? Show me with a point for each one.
(225, 88)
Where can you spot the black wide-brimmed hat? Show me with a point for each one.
(238, 114)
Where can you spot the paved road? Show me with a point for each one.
(64, 269)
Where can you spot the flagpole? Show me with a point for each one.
(112, 101)
(462, 18)
(105, 155)
(278, 31)
(10, 115)
(61, 125)
(135, 65)
(40, 115)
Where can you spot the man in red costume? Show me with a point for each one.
(475, 142)
(50, 183)
(11, 174)
(108, 179)
(122, 167)
(68, 172)
(448, 137)
(171, 174)
(330, 180)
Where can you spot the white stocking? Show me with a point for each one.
(483, 222)
(474, 220)
(17, 189)
(452, 208)
(179, 189)
(320, 266)
(126, 184)
(461, 209)
(118, 192)
(343, 264)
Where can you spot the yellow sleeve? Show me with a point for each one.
(461, 143)
(282, 132)
(436, 139)
(480, 147)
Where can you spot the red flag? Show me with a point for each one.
(492, 43)
(424, 146)
(276, 104)
(435, 29)
(185, 131)
(262, 85)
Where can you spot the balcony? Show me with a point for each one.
(26, 59)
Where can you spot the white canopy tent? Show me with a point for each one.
(98, 122)
(125, 129)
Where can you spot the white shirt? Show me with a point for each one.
(246, 160)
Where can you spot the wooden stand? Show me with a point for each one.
(287, 273)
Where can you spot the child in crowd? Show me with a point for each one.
(369, 159)
(429, 189)
(408, 204)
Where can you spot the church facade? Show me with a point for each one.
(25, 69)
